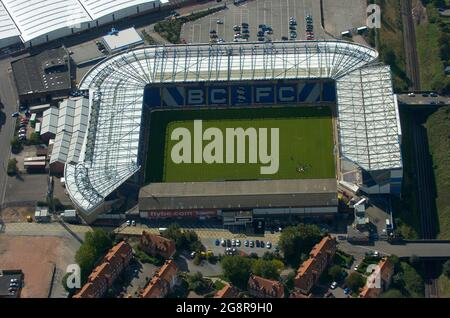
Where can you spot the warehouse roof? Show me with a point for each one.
(117, 84)
(33, 18)
(50, 121)
(44, 72)
(72, 125)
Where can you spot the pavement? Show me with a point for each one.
(9, 99)
(25, 188)
(273, 13)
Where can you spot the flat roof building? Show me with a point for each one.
(122, 40)
(44, 76)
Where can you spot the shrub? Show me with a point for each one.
(12, 167)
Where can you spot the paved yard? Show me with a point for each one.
(344, 15)
(26, 188)
(37, 257)
(274, 13)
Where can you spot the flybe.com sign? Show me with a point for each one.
(232, 93)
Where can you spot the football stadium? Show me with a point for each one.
(236, 131)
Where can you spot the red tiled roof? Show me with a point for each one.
(160, 282)
(227, 291)
(158, 243)
(112, 260)
(266, 286)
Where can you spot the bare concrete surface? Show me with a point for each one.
(343, 15)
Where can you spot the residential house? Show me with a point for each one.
(264, 288)
(104, 275)
(309, 272)
(162, 282)
(379, 281)
(227, 291)
(155, 245)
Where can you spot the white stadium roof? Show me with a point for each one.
(33, 18)
(110, 149)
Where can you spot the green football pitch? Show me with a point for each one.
(305, 144)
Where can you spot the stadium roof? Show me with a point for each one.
(33, 18)
(238, 194)
(116, 85)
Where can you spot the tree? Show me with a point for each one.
(392, 293)
(297, 240)
(355, 281)
(95, 246)
(16, 145)
(413, 282)
(197, 283)
(12, 167)
(335, 272)
(446, 269)
(266, 269)
(236, 269)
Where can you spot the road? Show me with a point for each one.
(420, 100)
(409, 40)
(9, 99)
(422, 249)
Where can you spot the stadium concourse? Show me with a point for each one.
(35, 22)
(336, 74)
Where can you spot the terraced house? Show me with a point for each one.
(309, 272)
(104, 275)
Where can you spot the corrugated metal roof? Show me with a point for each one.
(7, 27)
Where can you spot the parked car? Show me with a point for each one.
(356, 267)
(238, 243)
(268, 245)
(252, 244)
(411, 94)
(236, 28)
(233, 242)
(333, 285)
(228, 243)
(15, 114)
(223, 243)
(258, 243)
(193, 255)
(246, 243)
(219, 21)
(346, 290)
(128, 223)
(433, 95)
(244, 25)
(262, 244)
(217, 242)
(133, 223)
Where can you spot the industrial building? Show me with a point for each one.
(368, 133)
(43, 77)
(33, 22)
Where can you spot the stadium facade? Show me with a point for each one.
(309, 73)
(34, 22)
